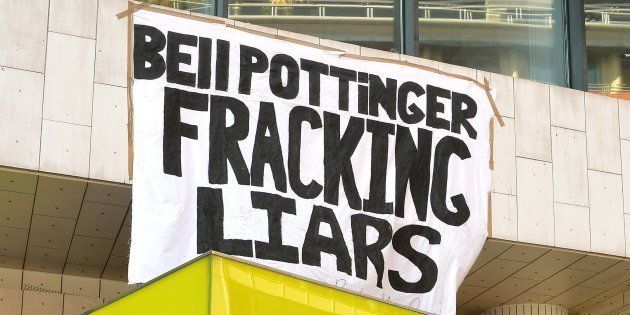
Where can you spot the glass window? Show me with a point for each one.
(607, 26)
(520, 38)
(365, 23)
(199, 6)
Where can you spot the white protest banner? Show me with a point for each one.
(355, 172)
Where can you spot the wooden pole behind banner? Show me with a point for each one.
(489, 214)
(130, 5)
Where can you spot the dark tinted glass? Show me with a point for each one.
(365, 23)
(520, 38)
(607, 26)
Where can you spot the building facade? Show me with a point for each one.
(560, 201)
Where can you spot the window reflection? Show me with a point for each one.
(520, 38)
(607, 26)
(199, 6)
(365, 23)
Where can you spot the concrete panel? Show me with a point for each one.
(347, 47)
(65, 148)
(535, 202)
(69, 79)
(531, 106)
(620, 288)
(547, 265)
(109, 144)
(74, 17)
(80, 285)
(121, 246)
(371, 52)
(21, 99)
(16, 209)
(593, 263)
(13, 242)
(523, 253)
(10, 301)
(602, 133)
(111, 44)
(58, 197)
(45, 259)
(24, 27)
(10, 278)
(116, 268)
(491, 249)
(455, 69)
(73, 304)
(481, 75)
(529, 298)
(611, 277)
(494, 272)
(118, 195)
(100, 220)
(507, 290)
(504, 86)
(11, 262)
(607, 225)
(298, 36)
(466, 293)
(572, 227)
(574, 296)
(608, 306)
(111, 289)
(82, 270)
(41, 281)
(258, 28)
(17, 181)
(504, 173)
(110, 106)
(89, 251)
(504, 217)
(51, 232)
(38, 303)
(624, 119)
(419, 61)
(570, 170)
(567, 108)
(625, 175)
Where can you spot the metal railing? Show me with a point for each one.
(428, 10)
(375, 9)
(199, 6)
(607, 13)
(609, 88)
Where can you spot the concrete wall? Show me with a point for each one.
(618, 305)
(62, 87)
(559, 161)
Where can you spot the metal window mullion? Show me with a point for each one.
(221, 8)
(576, 33)
(406, 27)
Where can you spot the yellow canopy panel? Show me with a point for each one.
(219, 285)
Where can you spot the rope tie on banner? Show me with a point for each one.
(133, 7)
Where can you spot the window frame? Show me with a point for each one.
(407, 28)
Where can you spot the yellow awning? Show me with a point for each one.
(216, 284)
